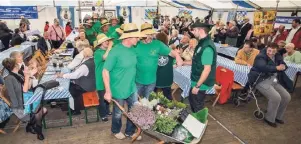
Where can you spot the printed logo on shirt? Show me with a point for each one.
(153, 52)
(163, 60)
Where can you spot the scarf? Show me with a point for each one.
(19, 77)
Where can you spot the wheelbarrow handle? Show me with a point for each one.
(126, 114)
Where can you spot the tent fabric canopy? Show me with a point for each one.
(188, 5)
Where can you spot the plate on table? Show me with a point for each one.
(224, 45)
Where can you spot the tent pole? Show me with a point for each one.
(79, 13)
(276, 11)
(235, 12)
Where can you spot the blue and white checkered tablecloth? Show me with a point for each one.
(292, 70)
(59, 92)
(229, 51)
(182, 79)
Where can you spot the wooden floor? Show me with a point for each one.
(238, 120)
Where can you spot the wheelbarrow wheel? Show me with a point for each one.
(258, 114)
(236, 102)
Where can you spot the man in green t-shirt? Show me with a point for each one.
(105, 25)
(148, 52)
(116, 34)
(203, 66)
(102, 49)
(114, 25)
(119, 73)
(90, 32)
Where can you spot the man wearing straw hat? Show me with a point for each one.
(119, 73)
(91, 33)
(203, 66)
(148, 52)
(105, 25)
(114, 25)
(116, 34)
(102, 49)
(96, 22)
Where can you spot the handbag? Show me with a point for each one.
(27, 108)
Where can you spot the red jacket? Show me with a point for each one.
(46, 28)
(297, 39)
(281, 36)
(68, 30)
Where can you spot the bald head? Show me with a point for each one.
(281, 28)
(290, 47)
(87, 52)
(46, 35)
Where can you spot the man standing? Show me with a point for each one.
(119, 73)
(294, 35)
(203, 66)
(44, 44)
(243, 31)
(148, 52)
(280, 35)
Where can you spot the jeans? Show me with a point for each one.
(145, 90)
(103, 107)
(197, 102)
(117, 115)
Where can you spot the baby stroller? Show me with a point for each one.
(246, 95)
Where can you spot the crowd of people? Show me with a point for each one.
(121, 62)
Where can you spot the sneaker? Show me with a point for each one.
(105, 119)
(109, 113)
(279, 121)
(135, 135)
(119, 136)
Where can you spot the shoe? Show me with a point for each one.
(30, 128)
(270, 123)
(279, 121)
(109, 113)
(40, 135)
(74, 113)
(135, 135)
(105, 119)
(119, 136)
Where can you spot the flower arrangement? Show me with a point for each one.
(142, 116)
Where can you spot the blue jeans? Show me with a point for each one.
(117, 115)
(145, 90)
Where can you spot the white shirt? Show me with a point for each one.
(291, 34)
(275, 36)
(48, 45)
(79, 72)
(79, 58)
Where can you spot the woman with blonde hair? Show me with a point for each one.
(188, 53)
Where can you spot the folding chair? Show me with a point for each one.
(40, 58)
(90, 100)
(225, 85)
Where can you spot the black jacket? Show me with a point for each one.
(17, 39)
(244, 30)
(266, 67)
(4, 30)
(43, 46)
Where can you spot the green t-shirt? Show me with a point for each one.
(97, 26)
(121, 63)
(207, 59)
(112, 29)
(116, 37)
(99, 62)
(91, 35)
(294, 58)
(165, 71)
(147, 56)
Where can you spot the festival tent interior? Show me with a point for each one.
(143, 10)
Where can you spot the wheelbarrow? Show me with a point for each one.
(162, 138)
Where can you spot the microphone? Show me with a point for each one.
(49, 84)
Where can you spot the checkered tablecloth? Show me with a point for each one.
(59, 92)
(182, 79)
(72, 35)
(292, 70)
(229, 51)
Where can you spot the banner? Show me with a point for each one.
(240, 15)
(263, 22)
(125, 12)
(285, 20)
(185, 13)
(65, 14)
(150, 13)
(15, 12)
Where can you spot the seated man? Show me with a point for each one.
(247, 54)
(267, 66)
(292, 55)
(44, 44)
(78, 59)
(184, 43)
(83, 80)
(281, 47)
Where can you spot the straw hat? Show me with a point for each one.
(101, 38)
(120, 29)
(104, 22)
(131, 31)
(147, 28)
(114, 18)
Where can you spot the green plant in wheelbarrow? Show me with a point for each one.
(165, 125)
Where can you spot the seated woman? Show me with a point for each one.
(83, 80)
(267, 65)
(16, 85)
(174, 38)
(18, 38)
(292, 55)
(188, 53)
(82, 39)
(78, 59)
(281, 47)
(18, 56)
(247, 54)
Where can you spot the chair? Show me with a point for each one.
(90, 100)
(40, 58)
(225, 85)
(174, 88)
(8, 103)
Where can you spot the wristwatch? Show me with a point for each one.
(197, 86)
